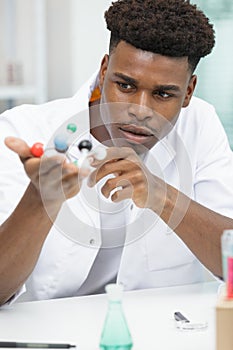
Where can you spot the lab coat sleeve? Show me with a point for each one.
(13, 180)
(213, 185)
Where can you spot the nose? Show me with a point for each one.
(140, 106)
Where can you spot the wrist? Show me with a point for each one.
(49, 208)
(175, 207)
(169, 204)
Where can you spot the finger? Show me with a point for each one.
(114, 154)
(116, 167)
(102, 171)
(32, 166)
(111, 164)
(63, 182)
(49, 163)
(43, 167)
(61, 172)
(18, 146)
(70, 184)
(118, 183)
(58, 178)
(122, 194)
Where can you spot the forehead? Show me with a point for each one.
(140, 64)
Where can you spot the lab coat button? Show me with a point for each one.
(92, 241)
(131, 207)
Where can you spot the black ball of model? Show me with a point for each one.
(85, 144)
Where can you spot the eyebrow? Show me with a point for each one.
(160, 87)
(126, 78)
(168, 87)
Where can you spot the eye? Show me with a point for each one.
(163, 94)
(124, 86)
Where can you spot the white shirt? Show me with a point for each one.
(194, 157)
(112, 225)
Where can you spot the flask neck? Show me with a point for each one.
(114, 304)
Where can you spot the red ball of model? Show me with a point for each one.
(37, 150)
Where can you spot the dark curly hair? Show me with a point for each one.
(173, 28)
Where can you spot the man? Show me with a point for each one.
(151, 213)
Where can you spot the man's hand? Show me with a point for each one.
(131, 179)
(53, 177)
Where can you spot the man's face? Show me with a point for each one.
(142, 95)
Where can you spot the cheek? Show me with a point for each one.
(112, 111)
(111, 93)
(169, 111)
(108, 114)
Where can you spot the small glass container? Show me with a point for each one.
(115, 334)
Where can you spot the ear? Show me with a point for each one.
(190, 90)
(103, 69)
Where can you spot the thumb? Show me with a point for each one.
(18, 146)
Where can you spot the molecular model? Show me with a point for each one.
(62, 145)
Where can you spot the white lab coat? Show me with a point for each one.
(194, 157)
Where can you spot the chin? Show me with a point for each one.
(138, 148)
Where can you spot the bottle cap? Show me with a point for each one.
(227, 242)
(114, 291)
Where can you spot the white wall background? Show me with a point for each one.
(76, 37)
(89, 38)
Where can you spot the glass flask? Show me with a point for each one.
(115, 334)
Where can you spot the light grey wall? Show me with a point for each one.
(77, 41)
(89, 38)
(59, 51)
(76, 36)
(215, 72)
(16, 39)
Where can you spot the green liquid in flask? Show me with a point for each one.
(115, 334)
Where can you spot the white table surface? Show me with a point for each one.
(149, 314)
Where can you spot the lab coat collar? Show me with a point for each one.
(84, 94)
(82, 210)
(160, 156)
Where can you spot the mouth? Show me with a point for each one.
(136, 134)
